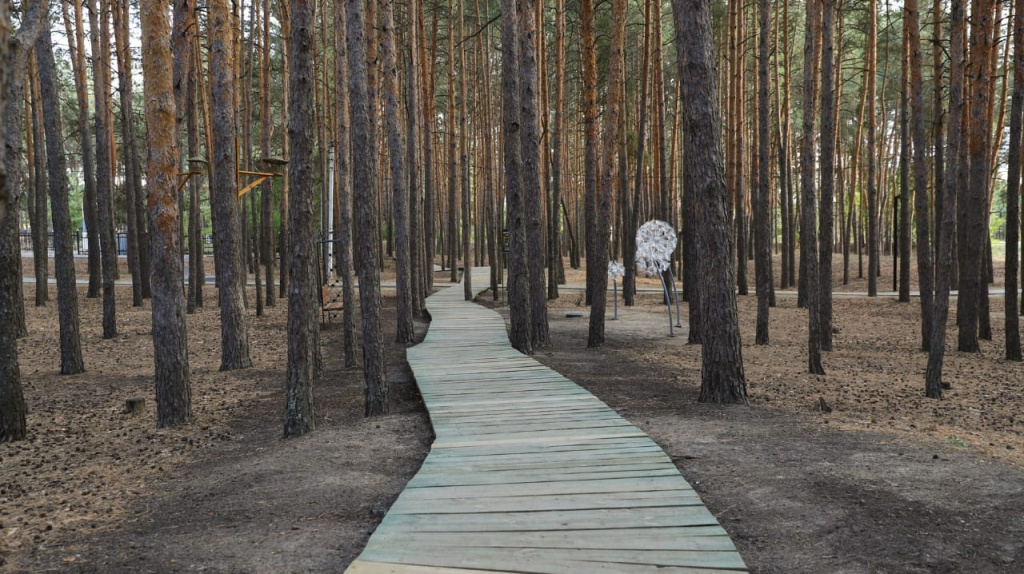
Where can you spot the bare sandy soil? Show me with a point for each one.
(887, 482)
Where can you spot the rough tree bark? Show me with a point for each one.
(303, 292)
(903, 237)
(412, 154)
(399, 180)
(872, 185)
(364, 181)
(132, 184)
(974, 201)
(227, 242)
(722, 378)
(63, 248)
(954, 141)
(14, 55)
(828, 173)
(344, 238)
(762, 216)
(170, 340)
(632, 208)
(808, 230)
(98, 22)
(532, 188)
(925, 271)
(518, 272)
(612, 108)
(590, 167)
(1012, 319)
(556, 271)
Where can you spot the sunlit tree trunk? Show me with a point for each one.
(170, 341)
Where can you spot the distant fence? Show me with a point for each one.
(82, 245)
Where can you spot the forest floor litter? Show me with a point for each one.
(888, 481)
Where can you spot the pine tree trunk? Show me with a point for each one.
(286, 49)
(925, 272)
(63, 255)
(104, 163)
(632, 211)
(598, 258)
(532, 188)
(399, 181)
(808, 231)
(722, 378)
(303, 287)
(124, 73)
(556, 271)
(590, 114)
(77, 49)
(344, 238)
(903, 200)
(1012, 319)
(170, 341)
(828, 174)
(762, 216)
(413, 138)
(518, 271)
(364, 181)
(467, 221)
(227, 240)
(197, 273)
(266, 232)
(872, 175)
(954, 141)
(37, 176)
(14, 55)
(974, 202)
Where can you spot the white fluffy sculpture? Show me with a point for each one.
(655, 243)
(615, 270)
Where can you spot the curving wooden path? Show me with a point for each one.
(530, 473)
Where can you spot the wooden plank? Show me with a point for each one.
(535, 561)
(703, 538)
(610, 486)
(530, 473)
(500, 504)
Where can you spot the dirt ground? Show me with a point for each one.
(97, 490)
(887, 482)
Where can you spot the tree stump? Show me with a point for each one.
(134, 406)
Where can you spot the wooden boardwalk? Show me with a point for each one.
(530, 473)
